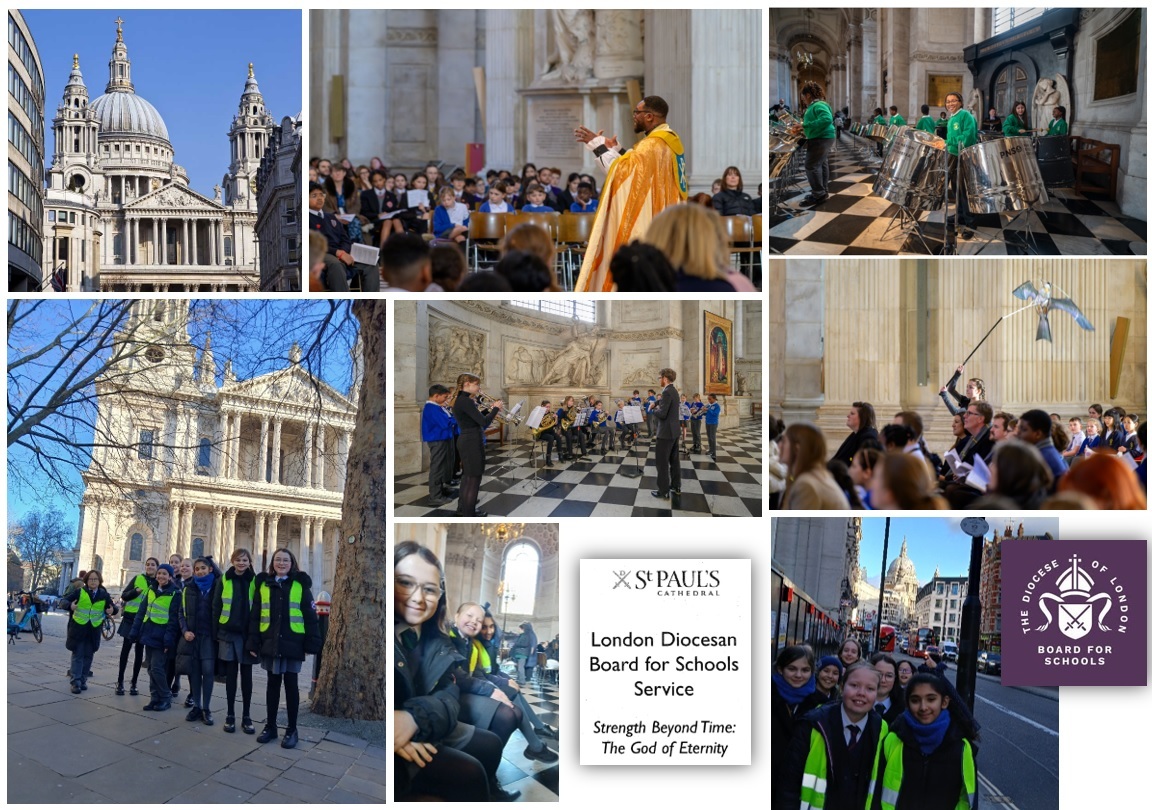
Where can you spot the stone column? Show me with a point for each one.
(677, 46)
(317, 571)
(277, 425)
(187, 512)
(164, 241)
(238, 423)
(156, 240)
(508, 57)
(305, 555)
(173, 530)
(273, 534)
(220, 242)
(218, 540)
(262, 464)
(869, 69)
(321, 460)
(258, 536)
(308, 455)
(212, 243)
(230, 532)
(195, 246)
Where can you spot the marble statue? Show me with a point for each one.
(573, 58)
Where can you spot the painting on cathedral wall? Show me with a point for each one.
(718, 355)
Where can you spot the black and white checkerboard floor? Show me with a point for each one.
(595, 485)
(855, 222)
(536, 781)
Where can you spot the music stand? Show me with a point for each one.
(533, 422)
(633, 415)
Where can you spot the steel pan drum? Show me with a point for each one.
(986, 135)
(1054, 155)
(878, 132)
(1002, 176)
(912, 175)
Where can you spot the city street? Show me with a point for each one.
(1018, 758)
(98, 747)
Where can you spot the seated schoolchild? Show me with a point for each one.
(584, 203)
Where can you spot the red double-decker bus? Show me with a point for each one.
(920, 639)
(887, 639)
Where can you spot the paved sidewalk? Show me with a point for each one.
(100, 747)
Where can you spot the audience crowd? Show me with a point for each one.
(998, 460)
(685, 250)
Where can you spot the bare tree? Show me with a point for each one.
(352, 682)
(39, 538)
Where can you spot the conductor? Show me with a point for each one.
(667, 413)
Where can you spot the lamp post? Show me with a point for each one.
(975, 528)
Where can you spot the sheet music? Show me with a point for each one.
(980, 475)
(633, 414)
(365, 254)
(419, 196)
(535, 417)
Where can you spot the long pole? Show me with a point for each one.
(970, 627)
(883, 570)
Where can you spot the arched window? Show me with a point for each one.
(136, 547)
(99, 563)
(204, 457)
(227, 250)
(197, 547)
(521, 574)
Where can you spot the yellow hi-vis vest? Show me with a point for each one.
(295, 613)
(814, 786)
(479, 654)
(88, 612)
(226, 598)
(140, 584)
(894, 775)
(156, 608)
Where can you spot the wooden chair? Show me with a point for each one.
(485, 230)
(574, 232)
(549, 222)
(740, 239)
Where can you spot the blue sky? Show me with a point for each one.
(199, 94)
(935, 542)
(255, 334)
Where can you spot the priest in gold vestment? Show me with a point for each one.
(641, 183)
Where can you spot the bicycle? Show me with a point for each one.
(29, 622)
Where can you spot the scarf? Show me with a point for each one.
(928, 737)
(793, 695)
(205, 583)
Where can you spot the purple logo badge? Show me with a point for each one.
(1074, 613)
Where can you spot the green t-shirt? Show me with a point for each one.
(818, 121)
(880, 120)
(1058, 126)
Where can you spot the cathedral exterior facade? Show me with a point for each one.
(119, 215)
(186, 464)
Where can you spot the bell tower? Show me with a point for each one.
(248, 136)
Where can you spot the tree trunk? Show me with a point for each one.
(351, 682)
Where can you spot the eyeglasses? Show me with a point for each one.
(407, 586)
(971, 413)
(887, 676)
(640, 112)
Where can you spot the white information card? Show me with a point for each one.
(666, 662)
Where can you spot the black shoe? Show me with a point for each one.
(120, 687)
(150, 707)
(547, 731)
(658, 494)
(454, 482)
(75, 689)
(475, 513)
(195, 714)
(90, 675)
(246, 726)
(499, 794)
(163, 706)
(175, 691)
(133, 691)
(544, 755)
(675, 490)
(713, 456)
(290, 739)
(966, 233)
(230, 724)
(450, 493)
(189, 702)
(83, 687)
(269, 733)
(437, 500)
(208, 719)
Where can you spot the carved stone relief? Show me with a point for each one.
(454, 350)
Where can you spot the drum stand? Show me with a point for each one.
(534, 480)
(908, 222)
(1029, 240)
(950, 247)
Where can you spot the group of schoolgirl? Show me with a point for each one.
(851, 738)
(200, 622)
(455, 710)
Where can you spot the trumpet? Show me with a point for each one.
(485, 404)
